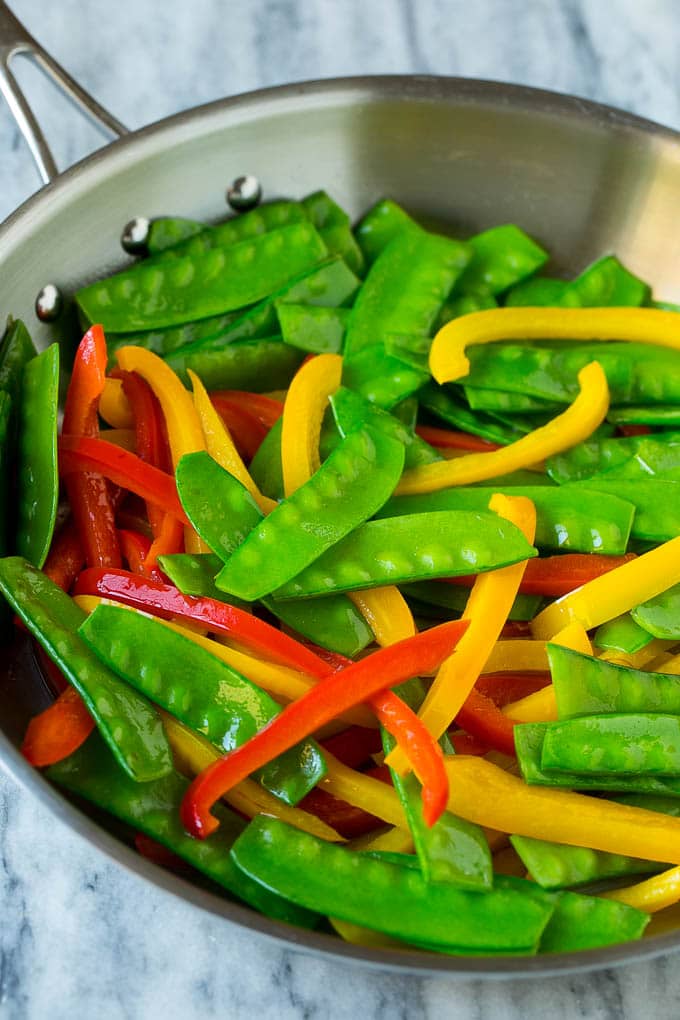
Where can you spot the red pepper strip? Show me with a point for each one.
(267, 410)
(347, 819)
(245, 429)
(354, 746)
(464, 743)
(516, 628)
(151, 436)
(558, 575)
(135, 549)
(634, 430)
(66, 557)
(337, 692)
(52, 673)
(159, 854)
(88, 492)
(58, 731)
(504, 688)
(482, 719)
(166, 601)
(124, 468)
(446, 439)
(170, 539)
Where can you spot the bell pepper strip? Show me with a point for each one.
(78, 454)
(579, 421)
(614, 593)
(303, 413)
(488, 795)
(448, 361)
(168, 542)
(114, 406)
(354, 746)
(335, 693)
(160, 855)
(58, 731)
(246, 431)
(482, 719)
(391, 840)
(66, 557)
(464, 743)
(487, 610)
(135, 549)
(347, 819)
(386, 612)
(220, 444)
(267, 409)
(513, 654)
(652, 895)
(558, 575)
(166, 601)
(448, 439)
(541, 706)
(151, 437)
(125, 438)
(504, 688)
(87, 489)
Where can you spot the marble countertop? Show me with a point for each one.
(80, 937)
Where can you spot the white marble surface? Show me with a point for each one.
(78, 936)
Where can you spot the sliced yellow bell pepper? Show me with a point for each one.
(542, 706)
(220, 445)
(614, 593)
(386, 612)
(575, 424)
(393, 840)
(485, 794)
(517, 655)
(114, 407)
(487, 609)
(640, 659)
(358, 936)
(448, 361)
(369, 794)
(303, 412)
(653, 894)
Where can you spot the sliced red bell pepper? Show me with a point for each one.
(446, 439)
(634, 430)
(150, 432)
(267, 410)
(336, 693)
(87, 489)
(58, 731)
(159, 854)
(347, 819)
(464, 743)
(482, 719)
(245, 429)
(135, 548)
(354, 746)
(558, 575)
(504, 688)
(166, 601)
(66, 557)
(125, 469)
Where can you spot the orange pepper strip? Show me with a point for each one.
(487, 610)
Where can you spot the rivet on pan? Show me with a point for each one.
(49, 303)
(135, 235)
(244, 193)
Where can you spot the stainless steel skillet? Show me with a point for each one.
(584, 179)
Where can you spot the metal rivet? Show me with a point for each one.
(244, 193)
(49, 303)
(135, 235)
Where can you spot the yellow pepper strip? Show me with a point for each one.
(125, 438)
(220, 445)
(637, 660)
(358, 936)
(575, 424)
(487, 609)
(365, 792)
(665, 664)
(653, 894)
(114, 407)
(394, 840)
(303, 413)
(517, 655)
(448, 361)
(386, 612)
(193, 753)
(665, 921)
(485, 794)
(542, 706)
(614, 593)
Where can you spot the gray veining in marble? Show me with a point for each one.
(78, 936)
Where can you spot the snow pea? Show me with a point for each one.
(588, 686)
(352, 411)
(453, 599)
(37, 474)
(414, 349)
(446, 403)
(656, 502)
(379, 226)
(193, 287)
(153, 808)
(340, 240)
(126, 720)
(583, 522)
(5, 468)
(660, 616)
(255, 365)
(622, 634)
(604, 283)
(628, 744)
(590, 922)
(501, 257)
(347, 489)
(381, 377)
(595, 456)
(482, 399)
(312, 328)
(463, 304)
(165, 340)
(665, 415)
(541, 291)
(199, 689)
(558, 866)
(16, 350)
(265, 468)
(168, 231)
(412, 547)
(387, 897)
(261, 220)
(323, 211)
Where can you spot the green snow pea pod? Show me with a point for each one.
(564, 520)
(381, 377)
(253, 223)
(255, 365)
(200, 690)
(313, 328)
(386, 897)
(604, 283)
(646, 463)
(664, 805)
(558, 866)
(5, 468)
(613, 745)
(380, 225)
(323, 211)
(452, 850)
(405, 288)
(446, 403)
(506, 401)
(193, 287)
(126, 720)
(622, 634)
(453, 598)
(166, 339)
(37, 474)
(16, 350)
(194, 574)
(340, 240)
(529, 747)
(153, 808)
(656, 502)
(347, 489)
(407, 413)
(541, 292)
(596, 456)
(501, 257)
(265, 467)
(665, 415)
(463, 304)
(413, 349)
(352, 412)
(169, 231)
(660, 616)
(413, 547)
(585, 685)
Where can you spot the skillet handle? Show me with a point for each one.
(16, 41)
